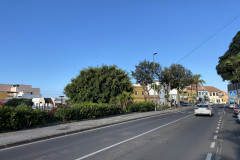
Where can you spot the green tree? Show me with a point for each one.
(98, 85)
(144, 74)
(197, 81)
(229, 64)
(165, 79)
(15, 102)
(180, 77)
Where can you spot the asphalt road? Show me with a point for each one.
(180, 136)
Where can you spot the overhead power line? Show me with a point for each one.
(224, 25)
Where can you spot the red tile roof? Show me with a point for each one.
(212, 89)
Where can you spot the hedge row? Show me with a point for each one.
(85, 111)
(12, 118)
(141, 107)
(22, 116)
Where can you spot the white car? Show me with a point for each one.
(238, 116)
(232, 105)
(203, 109)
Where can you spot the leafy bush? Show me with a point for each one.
(166, 106)
(141, 107)
(22, 116)
(87, 110)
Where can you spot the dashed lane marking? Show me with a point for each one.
(209, 156)
(212, 145)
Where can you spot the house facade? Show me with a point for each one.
(215, 95)
(9, 91)
(140, 95)
(48, 103)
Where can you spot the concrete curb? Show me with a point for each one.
(84, 129)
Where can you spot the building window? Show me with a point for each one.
(199, 93)
(136, 92)
(143, 93)
(210, 93)
(213, 93)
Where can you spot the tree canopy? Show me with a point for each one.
(177, 77)
(98, 85)
(144, 74)
(229, 64)
(180, 76)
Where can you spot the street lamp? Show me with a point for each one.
(154, 82)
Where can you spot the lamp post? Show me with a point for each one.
(154, 82)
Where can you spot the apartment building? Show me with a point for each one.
(215, 95)
(9, 91)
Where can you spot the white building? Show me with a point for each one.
(20, 91)
(48, 103)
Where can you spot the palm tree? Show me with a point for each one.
(124, 98)
(197, 81)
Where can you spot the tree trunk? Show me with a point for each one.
(196, 90)
(148, 95)
(178, 97)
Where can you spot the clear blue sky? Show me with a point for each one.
(46, 43)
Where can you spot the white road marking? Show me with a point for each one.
(215, 137)
(216, 131)
(217, 127)
(212, 145)
(218, 124)
(116, 144)
(209, 156)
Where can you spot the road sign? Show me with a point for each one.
(232, 94)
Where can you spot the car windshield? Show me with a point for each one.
(232, 102)
(202, 106)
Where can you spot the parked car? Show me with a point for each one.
(236, 110)
(184, 104)
(238, 116)
(232, 105)
(203, 109)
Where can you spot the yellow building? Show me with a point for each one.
(3, 95)
(188, 94)
(138, 94)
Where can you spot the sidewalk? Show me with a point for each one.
(15, 138)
